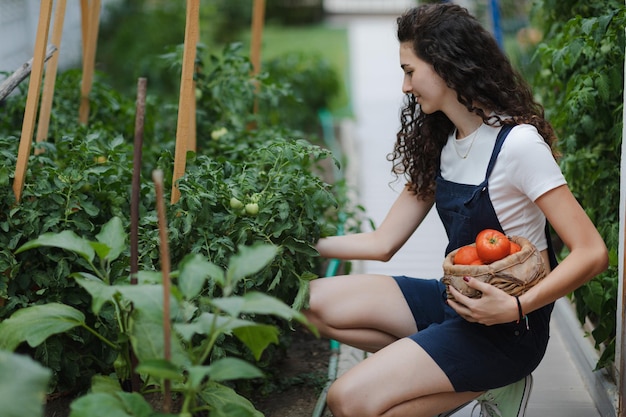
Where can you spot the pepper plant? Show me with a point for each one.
(199, 321)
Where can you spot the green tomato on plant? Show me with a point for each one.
(252, 209)
(235, 203)
(218, 133)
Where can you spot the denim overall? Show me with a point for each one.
(475, 357)
(465, 209)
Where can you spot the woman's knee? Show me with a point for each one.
(343, 400)
(314, 313)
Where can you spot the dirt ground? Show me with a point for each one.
(303, 373)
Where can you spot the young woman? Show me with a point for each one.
(475, 145)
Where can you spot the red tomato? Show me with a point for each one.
(514, 248)
(492, 245)
(465, 255)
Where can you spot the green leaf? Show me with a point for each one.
(593, 299)
(113, 235)
(209, 323)
(249, 260)
(23, 386)
(302, 296)
(160, 369)
(147, 300)
(35, 324)
(106, 384)
(225, 402)
(148, 342)
(257, 337)
(67, 240)
(225, 369)
(99, 291)
(257, 303)
(194, 270)
(120, 404)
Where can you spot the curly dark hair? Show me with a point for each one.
(469, 60)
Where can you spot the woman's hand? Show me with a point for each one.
(494, 307)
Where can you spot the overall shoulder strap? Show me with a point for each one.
(497, 147)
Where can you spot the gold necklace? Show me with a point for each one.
(456, 147)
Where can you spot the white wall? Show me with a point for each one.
(18, 30)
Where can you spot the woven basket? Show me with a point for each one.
(514, 274)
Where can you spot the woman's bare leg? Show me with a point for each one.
(399, 380)
(365, 311)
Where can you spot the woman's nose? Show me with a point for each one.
(406, 86)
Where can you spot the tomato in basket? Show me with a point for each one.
(514, 248)
(492, 245)
(466, 255)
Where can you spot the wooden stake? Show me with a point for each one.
(134, 201)
(620, 339)
(157, 177)
(258, 20)
(135, 379)
(192, 141)
(84, 23)
(51, 75)
(89, 58)
(30, 113)
(187, 94)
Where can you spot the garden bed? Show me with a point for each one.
(303, 372)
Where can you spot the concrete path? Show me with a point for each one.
(559, 390)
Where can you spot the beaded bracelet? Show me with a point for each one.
(521, 314)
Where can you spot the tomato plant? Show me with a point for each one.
(581, 84)
(492, 245)
(83, 178)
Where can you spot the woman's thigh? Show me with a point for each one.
(400, 373)
(361, 302)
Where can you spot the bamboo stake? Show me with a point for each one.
(30, 113)
(51, 75)
(157, 177)
(89, 58)
(20, 74)
(187, 94)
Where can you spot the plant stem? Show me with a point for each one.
(102, 338)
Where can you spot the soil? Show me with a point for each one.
(302, 372)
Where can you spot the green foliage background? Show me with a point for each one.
(581, 82)
(83, 177)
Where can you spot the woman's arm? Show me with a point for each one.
(588, 253)
(587, 258)
(405, 215)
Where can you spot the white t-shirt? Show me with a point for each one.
(525, 169)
